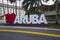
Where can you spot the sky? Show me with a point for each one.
(5, 2)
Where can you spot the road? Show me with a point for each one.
(29, 33)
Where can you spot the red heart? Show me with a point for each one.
(10, 18)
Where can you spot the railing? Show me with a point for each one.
(51, 12)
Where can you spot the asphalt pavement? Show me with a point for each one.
(23, 36)
(29, 33)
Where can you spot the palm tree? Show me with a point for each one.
(31, 6)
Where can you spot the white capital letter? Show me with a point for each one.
(42, 19)
(34, 19)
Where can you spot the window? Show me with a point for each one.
(6, 10)
(10, 10)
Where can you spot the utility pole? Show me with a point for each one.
(16, 7)
(41, 7)
(57, 11)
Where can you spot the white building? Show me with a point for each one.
(7, 7)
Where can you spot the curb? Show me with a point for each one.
(37, 28)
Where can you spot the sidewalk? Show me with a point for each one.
(24, 27)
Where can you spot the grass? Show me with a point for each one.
(1, 24)
(54, 26)
(57, 26)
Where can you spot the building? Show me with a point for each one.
(7, 7)
(49, 11)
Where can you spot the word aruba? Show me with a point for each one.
(32, 19)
